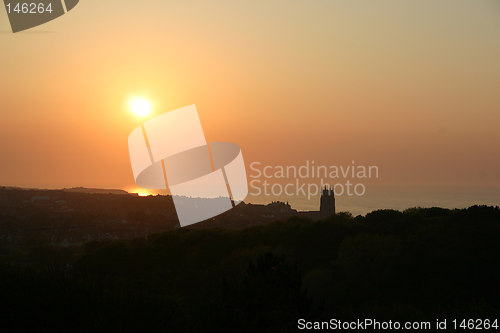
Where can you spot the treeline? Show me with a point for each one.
(420, 264)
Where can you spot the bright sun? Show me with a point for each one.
(141, 107)
(142, 192)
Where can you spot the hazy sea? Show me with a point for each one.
(395, 197)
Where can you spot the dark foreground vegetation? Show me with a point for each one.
(420, 264)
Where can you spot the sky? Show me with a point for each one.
(410, 86)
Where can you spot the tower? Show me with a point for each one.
(327, 203)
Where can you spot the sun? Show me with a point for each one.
(142, 192)
(140, 106)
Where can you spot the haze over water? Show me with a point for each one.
(396, 197)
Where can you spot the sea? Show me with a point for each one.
(396, 197)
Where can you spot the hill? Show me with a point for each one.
(35, 217)
(96, 191)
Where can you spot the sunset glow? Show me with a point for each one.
(140, 106)
(142, 192)
(332, 81)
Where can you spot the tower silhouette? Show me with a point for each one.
(327, 203)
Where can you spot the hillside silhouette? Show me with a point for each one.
(390, 265)
(73, 217)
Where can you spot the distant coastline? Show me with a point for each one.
(68, 217)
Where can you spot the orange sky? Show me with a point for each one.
(412, 86)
